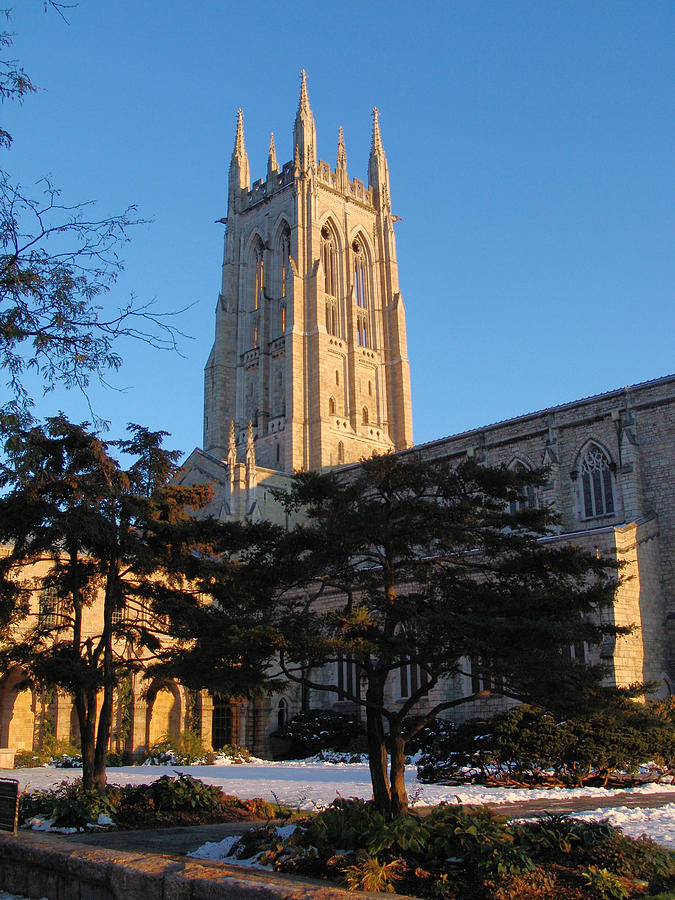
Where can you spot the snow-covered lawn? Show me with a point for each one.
(308, 784)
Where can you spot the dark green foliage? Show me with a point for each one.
(124, 538)
(166, 801)
(463, 853)
(405, 568)
(528, 744)
(321, 729)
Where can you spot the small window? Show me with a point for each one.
(340, 452)
(597, 495)
(347, 677)
(337, 377)
(528, 495)
(411, 678)
(49, 611)
(331, 406)
(282, 713)
(364, 415)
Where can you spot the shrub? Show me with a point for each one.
(181, 749)
(526, 744)
(321, 729)
(232, 751)
(61, 754)
(436, 737)
(68, 805)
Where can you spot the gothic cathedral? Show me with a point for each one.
(310, 344)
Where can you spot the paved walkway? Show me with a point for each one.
(179, 841)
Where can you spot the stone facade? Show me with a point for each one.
(310, 343)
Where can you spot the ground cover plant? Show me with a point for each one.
(181, 800)
(527, 745)
(463, 853)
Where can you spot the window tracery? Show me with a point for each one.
(597, 493)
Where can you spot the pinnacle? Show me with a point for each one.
(303, 105)
(341, 152)
(377, 137)
(239, 146)
(272, 165)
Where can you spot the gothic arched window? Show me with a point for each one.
(285, 252)
(329, 261)
(331, 406)
(597, 493)
(364, 415)
(283, 276)
(258, 273)
(341, 452)
(360, 275)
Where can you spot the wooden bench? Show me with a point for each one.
(9, 804)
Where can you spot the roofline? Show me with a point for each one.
(618, 392)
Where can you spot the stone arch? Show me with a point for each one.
(164, 711)
(331, 276)
(17, 710)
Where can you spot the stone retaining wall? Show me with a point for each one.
(44, 866)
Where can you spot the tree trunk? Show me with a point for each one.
(399, 795)
(377, 751)
(86, 713)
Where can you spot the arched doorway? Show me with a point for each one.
(17, 711)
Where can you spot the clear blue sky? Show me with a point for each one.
(530, 148)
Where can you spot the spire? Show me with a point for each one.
(239, 146)
(303, 105)
(240, 176)
(272, 164)
(304, 132)
(376, 144)
(341, 152)
(378, 169)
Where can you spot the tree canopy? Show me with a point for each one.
(414, 572)
(82, 532)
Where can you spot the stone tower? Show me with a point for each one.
(310, 341)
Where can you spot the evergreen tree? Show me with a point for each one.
(409, 569)
(86, 532)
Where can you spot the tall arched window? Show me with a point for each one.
(597, 493)
(283, 257)
(364, 415)
(285, 252)
(340, 452)
(360, 275)
(258, 273)
(331, 406)
(329, 261)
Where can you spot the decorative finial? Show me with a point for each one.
(239, 147)
(377, 137)
(249, 436)
(272, 165)
(341, 152)
(303, 105)
(296, 158)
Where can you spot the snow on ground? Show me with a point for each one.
(308, 784)
(658, 824)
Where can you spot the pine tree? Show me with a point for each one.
(407, 568)
(109, 546)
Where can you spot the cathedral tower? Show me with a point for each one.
(310, 341)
